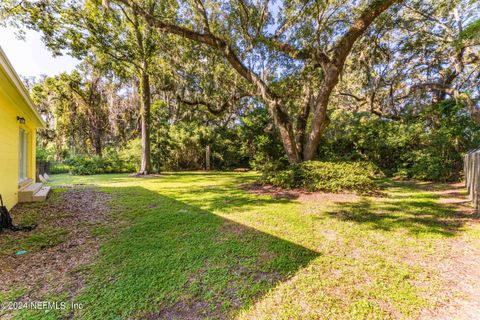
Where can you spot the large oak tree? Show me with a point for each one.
(118, 41)
(291, 54)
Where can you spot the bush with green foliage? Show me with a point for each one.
(83, 165)
(249, 142)
(59, 167)
(424, 143)
(325, 176)
(43, 154)
(258, 140)
(111, 162)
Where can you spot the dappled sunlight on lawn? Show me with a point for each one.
(197, 244)
(408, 207)
(183, 259)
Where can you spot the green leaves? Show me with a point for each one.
(426, 142)
(470, 35)
(325, 176)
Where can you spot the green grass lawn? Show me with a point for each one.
(196, 245)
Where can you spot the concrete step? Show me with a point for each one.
(25, 183)
(31, 188)
(41, 194)
(26, 193)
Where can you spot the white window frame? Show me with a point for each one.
(23, 155)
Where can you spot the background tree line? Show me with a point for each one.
(256, 82)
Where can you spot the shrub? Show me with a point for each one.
(87, 165)
(325, 176)
(42, 154)
(425, 142)
(130, 154)
(58, 167)
(429, 165)
(82, 165)
(113, 162)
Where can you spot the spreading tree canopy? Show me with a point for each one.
(297, 59)
(291, 54)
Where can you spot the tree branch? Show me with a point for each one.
(211, 40)
(212, 108)
(203, 13)
(357, 98)
(366, 18)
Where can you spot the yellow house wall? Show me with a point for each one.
(10, 100)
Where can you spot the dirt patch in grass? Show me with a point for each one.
(457, 261)
(146, 176)
(457, 197)
(56, 266)
(181, 310)
(231, 228)
(298, 194)
(459, 271)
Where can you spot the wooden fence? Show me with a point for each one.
(471, 171)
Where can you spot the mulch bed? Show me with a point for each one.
(57, 269)
(299, 194)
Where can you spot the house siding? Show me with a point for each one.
(11, 107)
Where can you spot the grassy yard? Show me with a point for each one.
(198, 245)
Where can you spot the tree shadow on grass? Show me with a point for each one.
(177, 261)
(228, 198)
(409, 208)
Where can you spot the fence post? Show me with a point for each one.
(473, 176)
(473, 183)
(470, 174)
(465, 170)
(476, 182)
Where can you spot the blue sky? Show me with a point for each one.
(30, 57)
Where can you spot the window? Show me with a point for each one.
(23, 155)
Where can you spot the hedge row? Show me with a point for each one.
(325, 176)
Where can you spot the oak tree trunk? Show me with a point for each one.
(320, 119)
(285, 128)
(145, 104)
(98, 146)
(207, 158)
